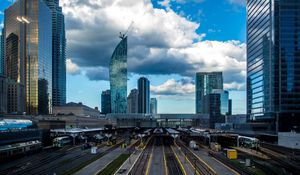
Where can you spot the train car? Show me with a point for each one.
(248, 142)
(19, 149)
(61, 141)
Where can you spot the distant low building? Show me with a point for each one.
(77, 109)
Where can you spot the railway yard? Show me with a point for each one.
(159, 151)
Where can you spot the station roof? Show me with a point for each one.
(76, 130)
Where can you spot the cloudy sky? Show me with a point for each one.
(168, 42)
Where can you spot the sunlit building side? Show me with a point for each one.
(118, 77)
(30, 21)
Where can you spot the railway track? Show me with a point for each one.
(141, 165)
(201, 167)
(171, 161)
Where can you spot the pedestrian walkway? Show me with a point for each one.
(100, 164)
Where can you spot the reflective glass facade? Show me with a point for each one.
(58, 54)
(143, 95)
(118, 78)
(273, 59)
(2, 52)
(133, 101)
(153, 106)
(205, 83)
(31, 22)
(105, 102)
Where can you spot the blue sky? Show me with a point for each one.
(170, 40)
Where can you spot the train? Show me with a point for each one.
(60, 142)
(248, 142)
(19, 149)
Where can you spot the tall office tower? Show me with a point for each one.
(58, 53)
(118, 77)
(153, 106)
(3, 80)
(132, 101)
(144, 95)
(229, 107)
(205, 83)
(273, 62)
(28, 53)
(2, 52)
(212, 106)
(105, 102)
(224, 100)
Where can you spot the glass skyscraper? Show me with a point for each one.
(31, 71)
(143, 95)
(273, 62)
(118, 77)
(105, 102)
(133, 101)
(58, 53)
(205, 83)
(153, 106)
(2, 52)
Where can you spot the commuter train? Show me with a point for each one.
(61, 141)
(248, 142)
(18, 149)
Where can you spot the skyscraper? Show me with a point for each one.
(105, 102)
(27, 43)
(3, 80)
(132, 101)
(2, 52)
(153, 106)
(118, 77)
(224, 100)
(144, 95)
(58, 53)
(273, 62)
(205, 83)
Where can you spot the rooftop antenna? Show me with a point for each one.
(122, 36)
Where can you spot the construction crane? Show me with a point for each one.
(122, 36)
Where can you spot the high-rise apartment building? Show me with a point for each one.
(273, 62)
(144, 95)
(118, 77)
(105, 102)
(205, 83)
(28, 53)
(132, 101)
(153, 106)
(58, 53)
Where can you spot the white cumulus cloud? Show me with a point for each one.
(72, 68)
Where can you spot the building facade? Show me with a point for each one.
(132, 101)
(212, 106)
(2, 52)
(58, 53)
(144, 95)
(153, 106)
(105, 102)
(118, 77)
(273, 61)
(29, 23)
(77, 109)
(205, 83)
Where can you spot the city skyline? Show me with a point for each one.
(162, 84)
